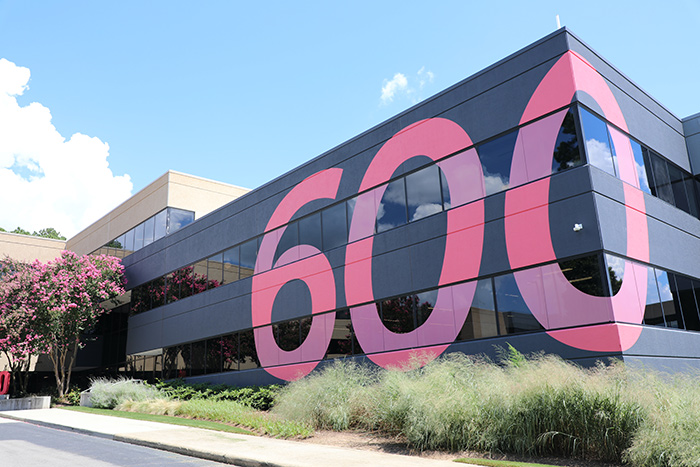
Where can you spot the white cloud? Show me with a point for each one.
(397, 84)
(400, 85)
(49, 181)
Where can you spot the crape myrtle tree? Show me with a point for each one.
(62, 300)
(19, 341)
(67, 297)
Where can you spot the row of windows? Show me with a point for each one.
(497, 309)
(164, 223)
(422, 193)
(656, 175)
(406, 199)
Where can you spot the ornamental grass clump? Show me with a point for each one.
(670, 433)
(108, 393)
(338, 397)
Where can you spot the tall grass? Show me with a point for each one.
(670, 434)
(542, 405)
(108, 393)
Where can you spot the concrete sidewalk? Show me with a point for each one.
(239, 450)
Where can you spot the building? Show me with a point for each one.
(547, 202)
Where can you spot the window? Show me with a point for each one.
(335, 226)
(231, 265)
(392, 207)
(598, 148)
(566, 150)
(423, 196)
(249, 252)
(481, 320)
(310, 231)
(513, 314)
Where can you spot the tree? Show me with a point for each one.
(21, 231)
(66, 296)
(19, 340)
(49, 232)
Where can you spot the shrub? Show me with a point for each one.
(108, 393)
(257, 397)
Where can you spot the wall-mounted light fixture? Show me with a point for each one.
(578, 227)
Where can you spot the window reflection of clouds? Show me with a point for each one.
(494, 183)
(599, 155)
(423, 193)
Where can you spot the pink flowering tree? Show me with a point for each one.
(66, 296)
(19, 339)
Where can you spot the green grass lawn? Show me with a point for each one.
(164, 419)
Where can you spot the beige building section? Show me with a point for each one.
(172, 189)
(28, 248)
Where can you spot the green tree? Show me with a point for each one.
(21, 231)
(49, 232)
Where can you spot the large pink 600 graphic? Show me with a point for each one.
(434, 138)
(303, 262)
(551, 298)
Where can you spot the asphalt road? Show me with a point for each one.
(26, 445)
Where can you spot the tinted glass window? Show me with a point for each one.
(249, 252)
(425, 303)
(231, 265)
(310, 231)
(616, 272)
(481, 321)
(185, 276)
(667, 302)
(692, 195)
(148, 230)
(392, 208)
(598, 148)
(584, 274)
(229, 352)
(513, 314)
(640, 166)
(287, 334)
(653, 312)
(423, 193)
(678, 187)
(335, 226)
(173, 287)
(138, 237)
(398, 314)
(689, 306)
(247, 356)
(215, 270)
(161, 222)
(198, 358)
(129, 240)
(290, 239)
(566, 150)
(446, 198)
(120, 242)
(496, 157)
(178, 218)
(199, 277)
(341, 339)
(214, 356)
(662, 180)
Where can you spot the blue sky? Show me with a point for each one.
(242, 92)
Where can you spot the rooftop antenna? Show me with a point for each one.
(558, 23)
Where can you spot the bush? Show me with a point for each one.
(257, 397)
(108, 393)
